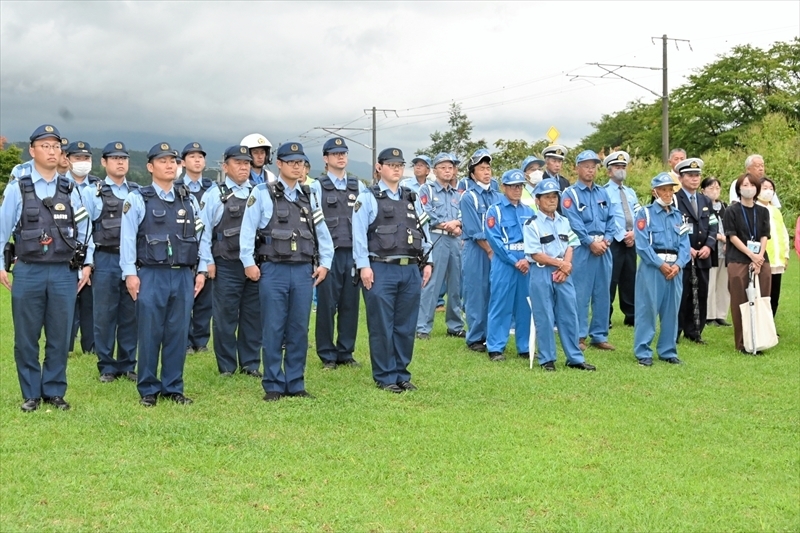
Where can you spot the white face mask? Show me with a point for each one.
(766, 195)
(661, 202)
(535, 176)
(484, 186)
(81, 168)
(749, 192)
(619, 173)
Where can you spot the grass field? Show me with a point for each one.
(713, 445)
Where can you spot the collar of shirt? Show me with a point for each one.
(289, 191)
(339, 183)
(193, 185)
(113, 184)
(169, 195)
(393, 195)
(506, 202)
(232, 185)
(440, 187)
(582, 186)
(689, 195)
(35, 176)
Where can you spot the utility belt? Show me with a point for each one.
(668, 256)
(515, 247)
(261, 259)
(107, 249)
(443, 232)
(395, 261)
(597, 237)
(165, 267)
(530, 260)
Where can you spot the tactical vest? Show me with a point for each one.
(42, 219)
(225, 238)
(338, 209)
(395, 230)
(167, 233)
(105, 230)
(205, 184)
(288, 237)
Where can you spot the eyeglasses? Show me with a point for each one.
(395, 166)
(295, 163)
(47, 147)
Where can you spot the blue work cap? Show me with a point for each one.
(478, 156)
(422, 159)
(661, 179)
(530, 160)
(512, 177)
(545, 187)
(445, 157)
(334, 146)
(587, 155)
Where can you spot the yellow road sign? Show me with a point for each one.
(552, 134)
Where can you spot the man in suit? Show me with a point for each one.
(696, 210)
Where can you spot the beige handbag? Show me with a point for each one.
(758, 325)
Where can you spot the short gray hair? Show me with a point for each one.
(750, 159)
(675, 151)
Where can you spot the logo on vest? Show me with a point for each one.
(60, 207)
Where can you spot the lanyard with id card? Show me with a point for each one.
(752, 244)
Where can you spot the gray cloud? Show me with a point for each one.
(214, 71)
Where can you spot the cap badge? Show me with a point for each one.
(395, 152)
(118, 146)
(338, 142)
(261, 140)
(81, 145)
(242, 150)
(620, 157)
(48, 129)
(694, 164)
(164, 146)
(559, 152)
(293, 147)
(195, 145)
(64, 142)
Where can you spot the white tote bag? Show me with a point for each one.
(758, 325)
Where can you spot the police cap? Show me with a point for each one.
(693, 164)
(79, 147)
(291, 151)
(116, 148)
(192, 147)
(161, 150)
(237, 151)
(44, 131)
(556, 151)
(334, 146)
(391, 155)
(616, 158)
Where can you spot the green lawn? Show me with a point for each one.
(709, 446)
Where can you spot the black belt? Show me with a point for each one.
(665, 251)
(265, 259)
(107, 249)
(397, 261)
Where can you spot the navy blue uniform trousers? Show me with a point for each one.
(337, 296)
(236, 307)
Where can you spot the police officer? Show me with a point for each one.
(588, 209)
(553, 161)
(388, 244)
(79, 158)
(44, 212)
(440, 201)
(663, 249)
(63, 162)
(421, 166)
(194, 162)
(697, 211)
(477, 253)
(337, 296)
(237, 309)
(509, 272)
(549, 247)
(261, 152)
(294, 250)
(162, 234)
(114, 310)
(531, 167)
(624, 205)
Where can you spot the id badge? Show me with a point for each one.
(690, 229)
(754, 246)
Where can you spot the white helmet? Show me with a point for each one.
(256, 140)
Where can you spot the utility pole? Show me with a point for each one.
(374, 112)
(611, 70)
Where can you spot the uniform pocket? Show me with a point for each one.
(282, 241)
(159, 216)
(185, 250)
(157, 248)
(386, 237)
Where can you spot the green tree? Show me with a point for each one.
(510, 154)
(9, 157)
(457, 140)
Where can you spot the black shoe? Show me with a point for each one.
(252, 373)
(226, 374)
(392, 387)
(57, 401)
(647, 361)
(711, 322)
(30, 405)
(460, 334)
(423, 336)
(300, 394)
(524, 355)
(328, 365)
(407, 385)
(350, 362)
(750, 353)
(149, 400)
(189, 350)
(201, 349)
(721, 322)
(272, 396)
(496, 356)
(549, 366)
(177, 397)
(107, 377)
(130, 376)
(673, 361)
(628, 322)
(582, 366)
(477, 347)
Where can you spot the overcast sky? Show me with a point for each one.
(144, 72)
